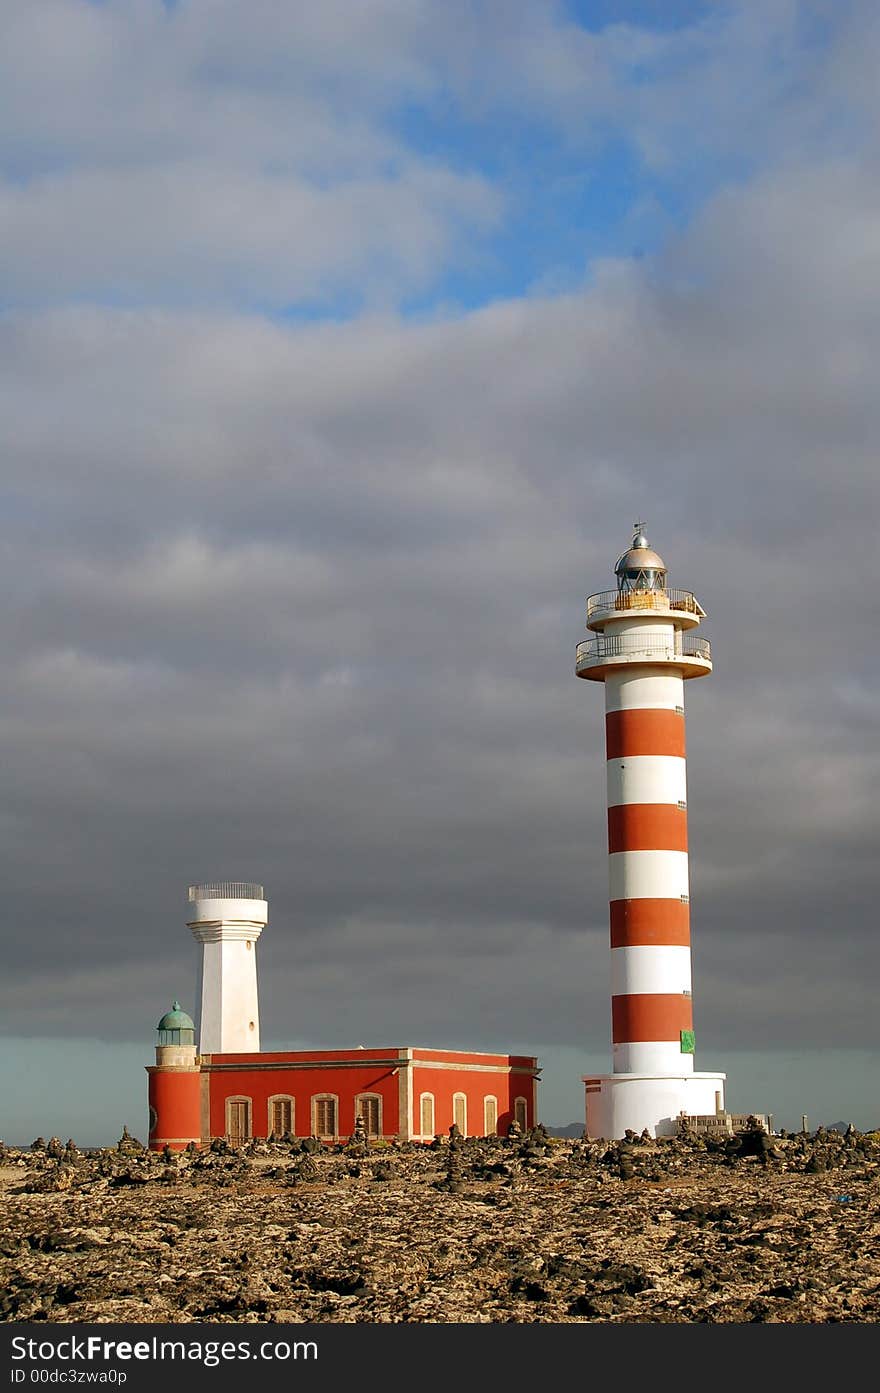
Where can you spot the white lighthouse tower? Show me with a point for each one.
(643, 650)
(228, 917)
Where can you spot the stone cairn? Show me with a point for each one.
(127, 1144)
(625, 1166)
(304, 1168)
(358, 1143)
(755, 1141)
(453, 1182)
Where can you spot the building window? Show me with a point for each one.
(490, 1116)
(281, 1115)
(521, 1112)
(459, 1112)
(324, 1114)
(427, 1114)
(238, 1120)
(369, 1107)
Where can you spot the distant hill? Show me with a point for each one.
(571, 1129)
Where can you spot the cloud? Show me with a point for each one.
(195, 155)
(195, 233)
(274, 159)
(312, 621)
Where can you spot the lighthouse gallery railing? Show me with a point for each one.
(596, 650)
(681, 600)
(226, 890)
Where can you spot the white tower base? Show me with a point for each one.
(227, 925)
(618, 1102)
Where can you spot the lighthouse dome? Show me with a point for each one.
(176, 1027)
(176, 1019)
(640, 568)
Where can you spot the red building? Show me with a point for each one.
(407, 1093)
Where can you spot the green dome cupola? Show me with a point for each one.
(176, 1027)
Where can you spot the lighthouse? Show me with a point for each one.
(228, 917)
(644, 648)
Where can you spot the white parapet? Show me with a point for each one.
(620, 1102)
(227, 919)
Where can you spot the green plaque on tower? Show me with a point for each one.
(687, 1042)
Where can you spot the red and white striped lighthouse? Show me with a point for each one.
(644, 650)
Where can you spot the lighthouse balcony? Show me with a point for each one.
(689, 655)
(225, 890)
(682, 605)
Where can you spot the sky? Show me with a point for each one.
(340, 348)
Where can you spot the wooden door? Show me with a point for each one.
(369, 1111)
(239, 1122)
(459, 1113)
(427, 1116)
(325, 1117)
(490, 1117)
(282, 1116)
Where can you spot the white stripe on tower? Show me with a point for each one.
(662, 691)
(648, 875)
(645, 968)
(647, 779)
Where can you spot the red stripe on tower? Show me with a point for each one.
(643, 732)
(649, 1016)
(647, 827)
(645, 923)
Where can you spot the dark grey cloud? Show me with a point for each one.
(300, 605)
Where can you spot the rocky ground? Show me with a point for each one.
(528, 1230)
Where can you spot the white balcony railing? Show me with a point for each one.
(679, 600)
(226, 890)
(641, 647)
